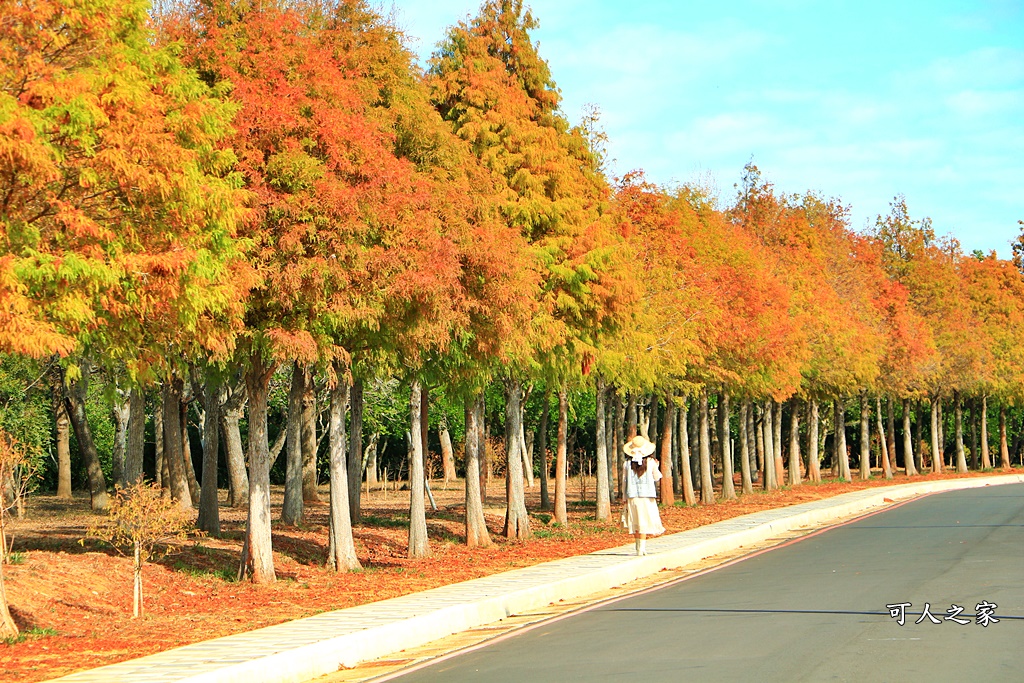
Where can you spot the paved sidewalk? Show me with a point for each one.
(303, 649)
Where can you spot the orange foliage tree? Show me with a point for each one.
(119, 216)
(489, 82)
(362, 232)
(995, 288)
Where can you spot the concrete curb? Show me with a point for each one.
(303, 649)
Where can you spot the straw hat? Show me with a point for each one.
(638, 448)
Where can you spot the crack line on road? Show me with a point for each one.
(778, 611)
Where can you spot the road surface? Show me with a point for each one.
(812, 610)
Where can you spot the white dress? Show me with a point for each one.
(640, 514)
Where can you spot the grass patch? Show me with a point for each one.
(32, 633)
(227, 575)
(390, 522)
(447, 537)
(17, 557)
(556, 533)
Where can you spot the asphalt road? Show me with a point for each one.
(812, 610)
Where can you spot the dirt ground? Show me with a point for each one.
(73, 598)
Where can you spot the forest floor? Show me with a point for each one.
(72, 598)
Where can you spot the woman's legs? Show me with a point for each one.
(640, 540)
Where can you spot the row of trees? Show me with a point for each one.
(198, 197)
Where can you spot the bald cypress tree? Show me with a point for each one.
(488, 81)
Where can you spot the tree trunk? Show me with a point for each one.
(794, 444)
(137, 584)
(693, 430)
(757, 444)
(642, 417)
(707, 486)
(74, 398)
(936, 453)
(238, 479)
(974, 434)
(173, 447)
(752, 461)
(651, 423)
(677, 454)
(309, 441)
(609, 437)
(941, 426)
(527, 456)
(746, 484)
(865, 436)
(667, 494)
(447, 455)
(63, 433)
(517, 521)
(419, 545)
(813, 456)
(685, 471)
(725, 447)
(120, 412)
(371, 462)
(136, 441)
(958, 426)
(355, 450)
(908, 441)
(485, 456)
(771, 481)
(617, 455)
(341, 551)
(842, 453)
(714, 445)
(186, 452)
(1004, 451)
(886, 462)
(561, 514)
(890, 433)
(542, 448)
(780, 474)
(257, 551)
(604, 506)
(476, 525)
(163, 479)
(631, 418)
(424, 443)
(920, 438)
(209, 509)
(291, 509)
(986, 456)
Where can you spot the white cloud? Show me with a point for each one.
(989, 67)
(975, 104)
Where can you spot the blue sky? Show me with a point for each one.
(858, 100)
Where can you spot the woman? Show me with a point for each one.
(640, 516)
